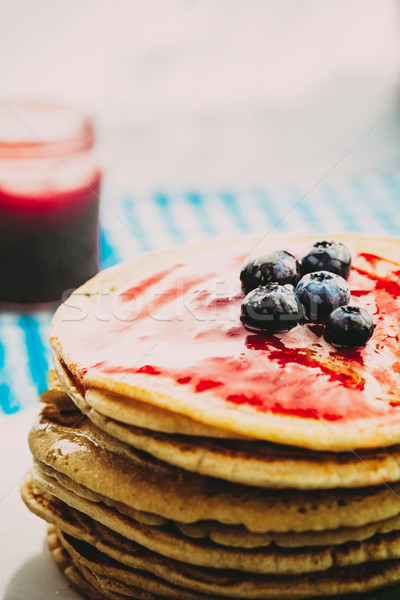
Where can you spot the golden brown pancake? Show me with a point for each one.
(86, 582)
(168, 551)
(253, 462)
(229, 584)
(141, 529)
(178, 455)
(199, 361)
(106, 466)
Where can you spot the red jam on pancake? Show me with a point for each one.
(175, 332)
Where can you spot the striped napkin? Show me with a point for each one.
(136, 223)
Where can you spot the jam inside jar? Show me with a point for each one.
(49, 202)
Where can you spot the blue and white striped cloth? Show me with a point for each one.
(135, 223)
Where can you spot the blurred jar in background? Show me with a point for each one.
(49, 202)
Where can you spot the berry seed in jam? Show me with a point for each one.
(278, 267)
(321, 292)
(349, 326)
(327, 256)
(271, 308)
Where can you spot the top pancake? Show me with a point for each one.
(166, 331)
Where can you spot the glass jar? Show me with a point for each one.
(49, 202)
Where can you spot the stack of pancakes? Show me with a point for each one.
(145, 501)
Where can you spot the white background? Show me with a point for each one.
(216, 91)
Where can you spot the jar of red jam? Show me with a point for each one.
(49, 202)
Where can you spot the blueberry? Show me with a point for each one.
(349, 326)
(321, 292)
(275, 267)
(327, 256)
(272, 307)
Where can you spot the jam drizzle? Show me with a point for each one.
(208, 350)
(308, 357)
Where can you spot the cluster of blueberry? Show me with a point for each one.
(282, 292)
